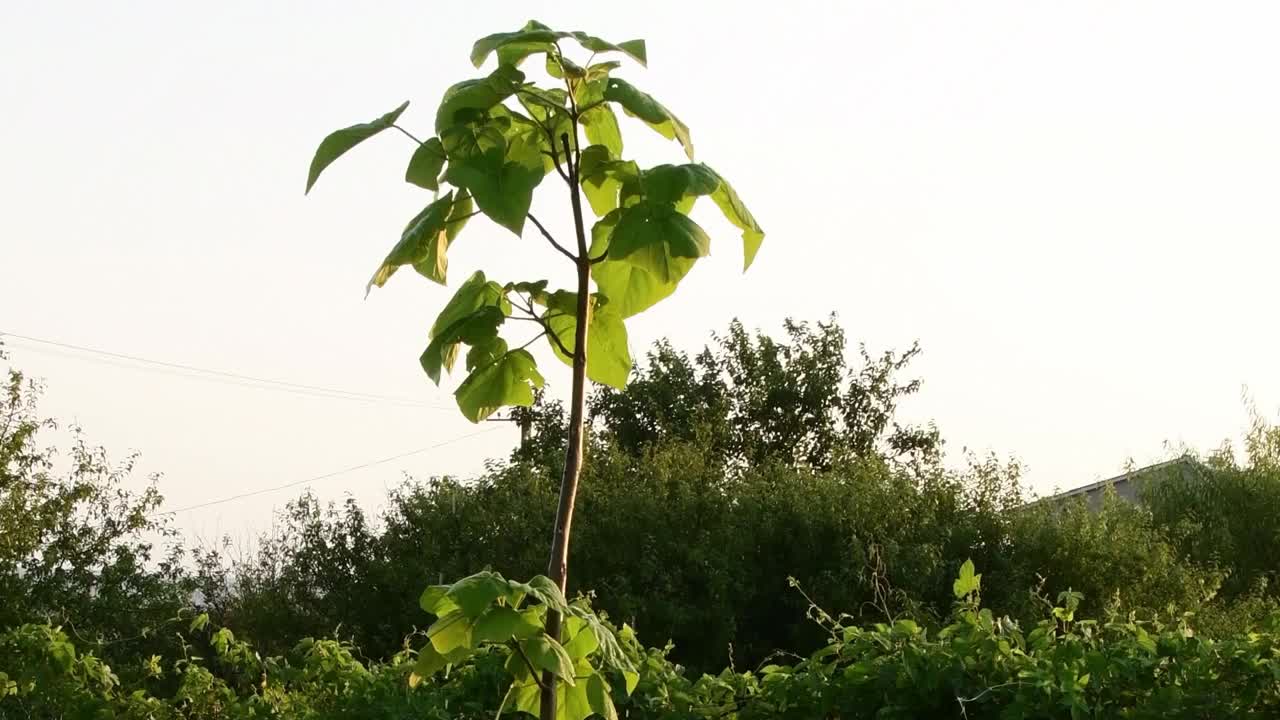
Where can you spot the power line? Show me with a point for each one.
(317, 478)
(237, 378)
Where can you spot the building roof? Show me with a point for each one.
(1122, 483)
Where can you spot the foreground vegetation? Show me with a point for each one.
(976, 666)
(715, 479)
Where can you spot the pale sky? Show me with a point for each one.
(1072, 206)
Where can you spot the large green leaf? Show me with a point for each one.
(479, 329)
(436, 266)
(608, 357)
(429, 663)
(650, 236)
(726, 198)
(502, 184)
(501, 623)
(603, 177)
(599, 699)
(450, 633)
(589, 696)
(484, 352)
(425, 164)
(642, 105)
(340, 141)
(435, 600)
(423, 244)
(542, 589)
(610, 651)
(630, 288)
(535, 37)
(601, 127)
(683, 184)
(547, 654)
(476, 593)
(508, 380)
(582, 642)
(674, 184)
(465, 101)
(474, 294)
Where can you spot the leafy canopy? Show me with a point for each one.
(496, 138)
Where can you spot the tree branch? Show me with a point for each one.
(558, 342)
(535, 339)
(571, 159)
(408, 134)
(533, 670)
(600, 258)
(468, 216)
(552, 240)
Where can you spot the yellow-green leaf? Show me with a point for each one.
(508, 380)
(608, 357)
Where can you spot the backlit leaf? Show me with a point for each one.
(508, 380)
(340, 141)
(436, 600)
(463, 101)
(650, 236)
(547, 654)
(726, 198)
(642, 105)
(425, 164)
(476, 593)
(608, 357)
(451, 632)
(630, 288)
(423, 244)
(501, 623)
(599, 699)
(601, 127)
(535, 37)
(501, 184)
(967, 582)
(479, 329)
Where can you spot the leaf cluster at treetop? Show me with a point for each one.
(496, 138)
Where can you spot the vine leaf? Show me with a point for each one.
(340, 141)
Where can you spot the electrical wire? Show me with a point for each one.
(317, 478)
(315, 391)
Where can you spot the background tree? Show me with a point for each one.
(754, 399)
(496, 138)
(77, 549)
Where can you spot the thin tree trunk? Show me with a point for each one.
(558, 565)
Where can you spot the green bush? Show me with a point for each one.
(977, 665)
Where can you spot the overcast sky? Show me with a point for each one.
(1072, 206)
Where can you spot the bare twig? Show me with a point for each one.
(408, 134)
(552, 240)
(535, 339)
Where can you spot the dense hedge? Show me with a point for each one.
(978, 665)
